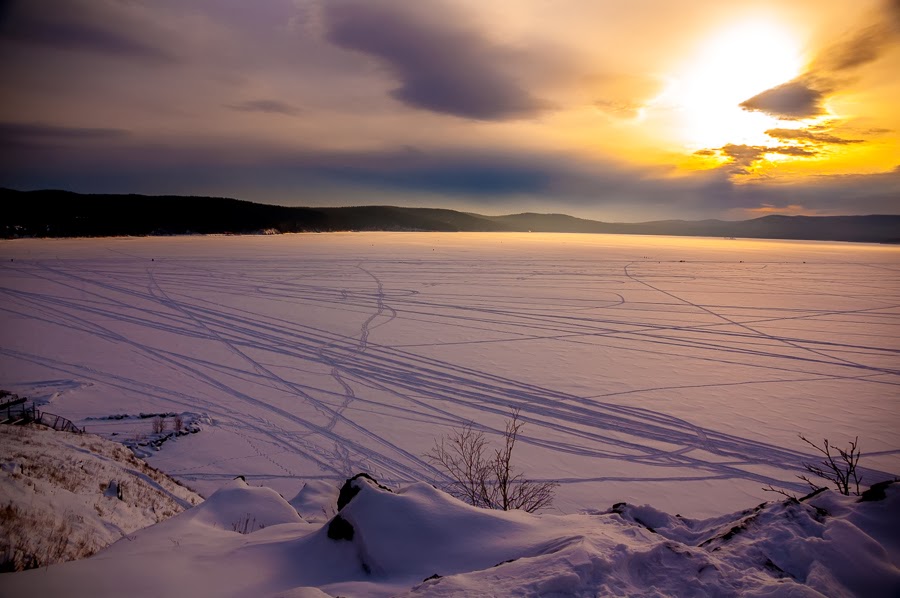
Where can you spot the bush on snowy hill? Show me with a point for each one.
(485, 477)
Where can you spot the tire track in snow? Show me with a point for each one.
(361, 346)
(324, 458)
(829, 358)
(337, 414)
(442, 382)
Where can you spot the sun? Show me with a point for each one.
(733, 65)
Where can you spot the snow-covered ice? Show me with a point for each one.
(670, 371)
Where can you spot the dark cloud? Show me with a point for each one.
(475, 180)
(474, 174)
(805, 135)
(462, 178)
(401, 170)
(442, 66)
(826, 195)
(804, 96)
(792, 150)
(796, 99)
(17, 134)
(744, 156)
(74, 36)
(76, 25)
(864, 45)
(267, 106)
(860, 48)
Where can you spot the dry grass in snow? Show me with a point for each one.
(64, 496)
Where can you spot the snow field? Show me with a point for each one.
(670, 371)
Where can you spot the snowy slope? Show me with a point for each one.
(386, 543)
(64, 496)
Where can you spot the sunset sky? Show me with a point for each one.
(613, 110)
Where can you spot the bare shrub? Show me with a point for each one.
(178, 423)
(246, 525)
(158, 425)
(485, 477)
(29, 540)
(838, 467)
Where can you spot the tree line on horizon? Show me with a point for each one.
(51, 213)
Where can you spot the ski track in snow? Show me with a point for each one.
(290, 384)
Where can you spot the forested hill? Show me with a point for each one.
(65, 214)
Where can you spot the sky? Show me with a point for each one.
(613, 110)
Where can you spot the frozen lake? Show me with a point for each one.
(670, 371)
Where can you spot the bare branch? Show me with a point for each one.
(489, 481)
(840, 469)
(461, 455)
(771, 488)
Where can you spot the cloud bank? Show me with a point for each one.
(441, 66)
(111, 29)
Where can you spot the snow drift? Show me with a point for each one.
(421, 541)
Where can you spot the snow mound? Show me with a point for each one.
(240, 507)
(419, 541)
(421, 531)
(825, 541)
(316, 501)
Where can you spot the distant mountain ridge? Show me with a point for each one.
(51, 213)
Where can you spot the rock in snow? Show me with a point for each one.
(420, 541)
